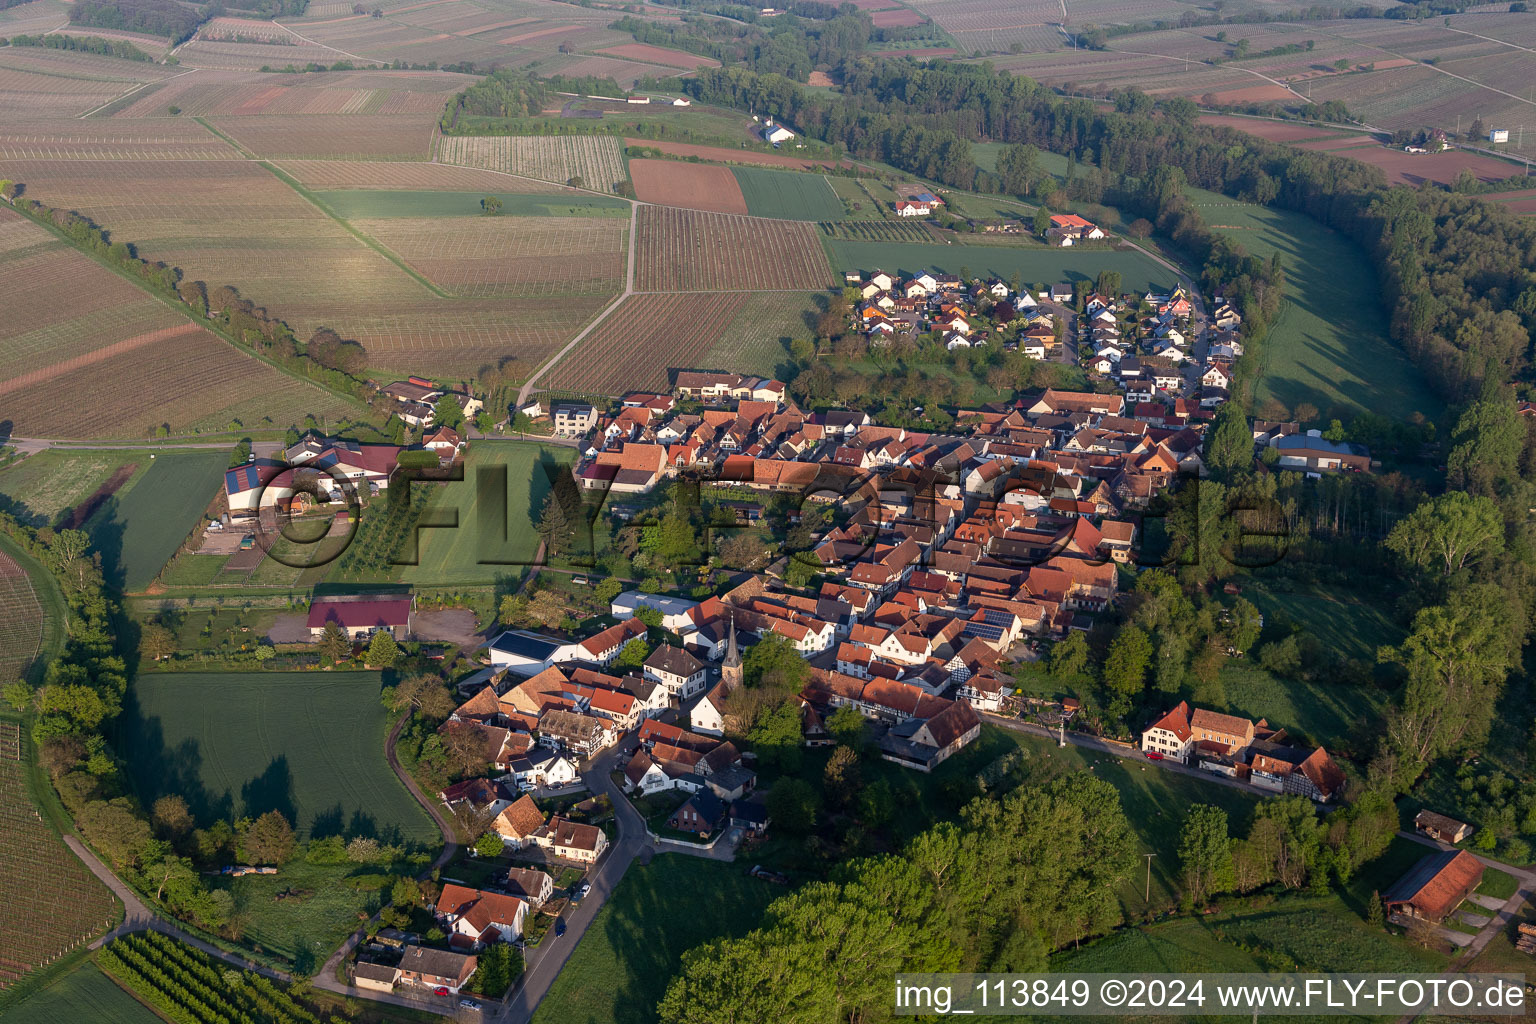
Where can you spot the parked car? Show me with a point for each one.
(469, 1004)
(559, 927)
(440, 991)
(582, 890)
(1153, 755)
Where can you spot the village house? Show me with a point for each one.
(573, 419)
(517, 823)
(680, 672)
(360, 616)
(571, 840)
(530, 884)
(423, 967)
(475, 918)
(1068, 229)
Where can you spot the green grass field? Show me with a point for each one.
(139, 529)
(659, 911)
(309, 744)
(83, 995)
(504, 487)
(1328, 346)
(365, 204)
(39, 489)
(1323, 711)
(1353, 624)
(1500, 885)
(1034, 265)
(757, 340)
(787, 195)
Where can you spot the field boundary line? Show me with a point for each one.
(327, 46)
(368, 240)
(130, 92)
(224, 138)
(629, 289)
(1246, 71)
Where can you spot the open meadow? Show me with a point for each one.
(138, 529)
(657, 913)
(84, 994)
(1328, 345)
(1034, 265)
(787, 195)
(243, 743)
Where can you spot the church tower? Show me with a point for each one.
(730, 668)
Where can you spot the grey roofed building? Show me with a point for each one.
(673, 660)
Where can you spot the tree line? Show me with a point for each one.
(326, 357)
(82, 44)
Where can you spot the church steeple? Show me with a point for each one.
(730, 668)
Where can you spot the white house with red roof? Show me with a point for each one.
(475, 917)
(1171, 735)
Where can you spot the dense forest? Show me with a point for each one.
(176, 22)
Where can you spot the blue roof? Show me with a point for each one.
(241, 478)
(526, 645)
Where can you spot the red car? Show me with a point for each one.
(440, 991)
(1153, 755)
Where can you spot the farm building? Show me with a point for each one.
(436, 968)
(1434, 887)
(909, 208)
(776, 133)
(362, 616)
(1069, 229)
(1441, 828)
(1498, 135)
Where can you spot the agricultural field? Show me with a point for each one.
(58, 487)
(487, 530)
(723, 154)
(1033, 264)
(705, 187)
(332, 137)
(41, 83)
(682, 250)
(105, 139)
(1328, 344)
(787, 195)
(757, 340)
(547, 246)
(659, 911)
(84, 332)
(980, 25)
(137, 530)
(270, 742)
(394, 175)
(884, 231)
(647, 338)
(84, 994)
(49, 902)
(648, 54)
(230, 221)
(590, 161)
(215, 93)
(21, 620)
(188, 984)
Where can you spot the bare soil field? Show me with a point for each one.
(247, 93)
(899, 18)
(694, 186)
(735, 156)
(396, 174)
(119, 363)
(1274, 131)
(685, 250)
(231, 221)
(489, 256)
(338, 137)
(74, 138)
(649, 54)
(644, 341)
